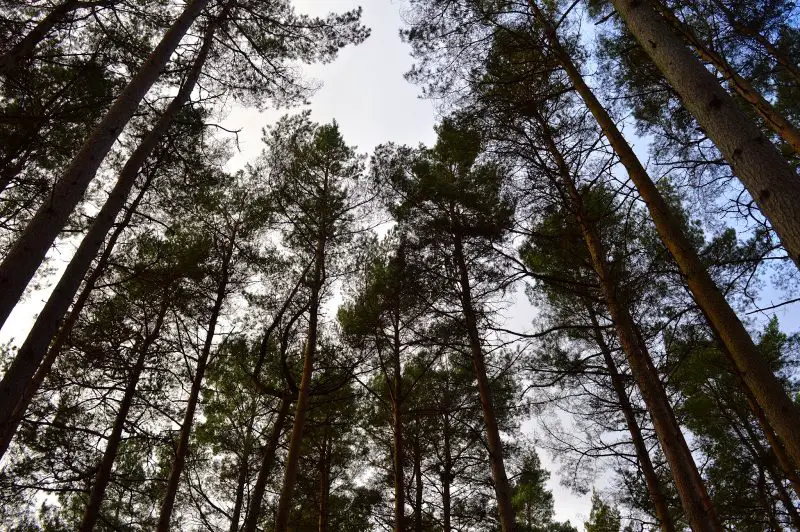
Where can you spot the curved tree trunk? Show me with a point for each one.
(696, 502)
(27, 253)
(772, 118)
(103, 475)
(643, 456)
(772, 183)
(502, 488)
(241, 480)
(782, 414)
(176, 470)
(18, 376)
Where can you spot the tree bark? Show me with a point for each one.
(8, 431)
(782, 414)
(696, 502)
(494, 444)
(650, 477)
(103, 475)
(446, 474)
(18, 376)
(772, 118)
(176, 470)
(772, 183)
(397, 434)
(417, 485)
(27, 253)
(324, 486)
(267, 459)
(293, 456)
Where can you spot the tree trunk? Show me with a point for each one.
(650, 477)
(772, 118)
(241, 479)
(8, 431)
(494, 444)
(27, 253)
(293, 456)
(397, 435)
(324, 486)
(194, 394)
(772, 183)
(446, 475)
(267, 459)
(18, 376)
(103, 475)
(696, 502)
(782, 414)
(417, 485)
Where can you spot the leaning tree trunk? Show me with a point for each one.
(27, 253)
(18, 376)
(772, 118)
(502, 488)
(241, 480)
(176, 470)
(696, 502)
(23, 50)
(447, 473)
(782, 414)
(769, 178)
(643, 456)
(293, 456)
(8, 430)
(103, 475)
(324, 485)
(267, 459)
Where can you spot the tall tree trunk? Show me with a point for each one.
(295, 442)
(241, 478)
(267, 459)
(782, 414)
(417, 451)
(397, 434)
(8, 431)
(194, 394)
(494, 444)
(696, 502)
(772, 118)
(103, 475)
(18, 376)
(324, 485)
(643, 456)
(772, 183)
(27, 253)
(446, 474)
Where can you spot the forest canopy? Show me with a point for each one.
(590, 274)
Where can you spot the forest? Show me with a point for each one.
(602, 243)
